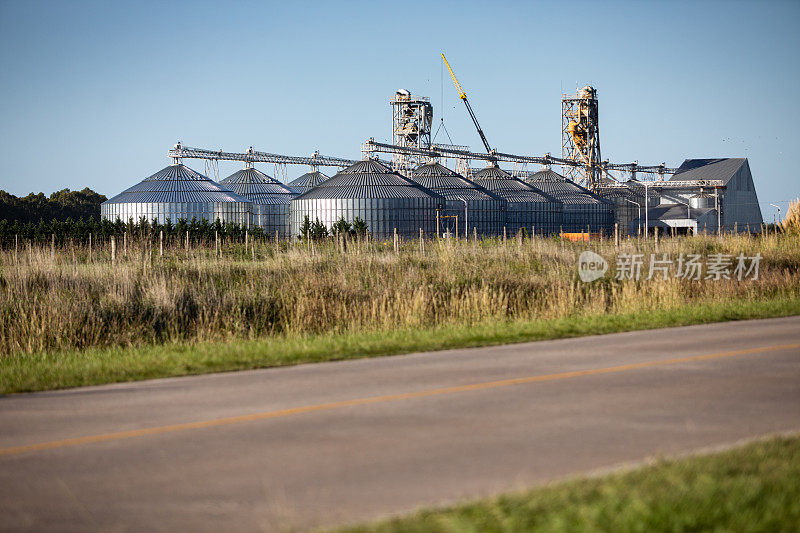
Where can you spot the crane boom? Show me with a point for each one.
(461, 93)
(463, 96)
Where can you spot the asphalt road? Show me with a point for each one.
(334, 443)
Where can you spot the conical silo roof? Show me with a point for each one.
(546, 174)
(259, 187)
(308, 181)
(508, 187)
(563, 189)
(368, 179)
(176, 183)
(443, 181)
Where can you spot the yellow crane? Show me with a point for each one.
(463, 96)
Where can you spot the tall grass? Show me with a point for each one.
(69, 297)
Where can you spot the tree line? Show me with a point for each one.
(61, 205)
(62, 231)
(317, 230)
(81, 229)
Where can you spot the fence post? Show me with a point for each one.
(125, 244)
(656, 232)
(421, 242)
(161, 243)
(90, 247)
(504, 235)
(16, 247)
(216, 243)
(187, 244)
(246, 235)
(396, 244)
(277, 248)
(113, 251)
(616, 234)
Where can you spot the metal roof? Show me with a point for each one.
(450, 184)
(368, 179)
(546, 174)
(179, 184)
(508, 187)
(563, 189)
(307, 181)
(258, 187)
(709, 169)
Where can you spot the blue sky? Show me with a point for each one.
(93, 94)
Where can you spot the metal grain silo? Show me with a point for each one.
(308, 181)
(582, 209)
(269, 196)
(382, 198)
(477, 208)
(527, 207)
(177, 192)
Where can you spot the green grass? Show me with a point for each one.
(751, 488)
(45, 371)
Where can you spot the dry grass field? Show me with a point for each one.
(68, 298)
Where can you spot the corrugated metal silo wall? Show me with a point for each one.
(382, 215)
(226, 212)
(486, 217)
(542, 218)
(273, 219)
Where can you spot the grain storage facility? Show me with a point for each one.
(583, 210)
(477, 208)
(307, 181)
(527, 207)
(174, 193)
(270, 198)
(383, 199)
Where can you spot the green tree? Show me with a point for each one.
(360, 227)
(342, 227)
(318, 230)
(305, 228)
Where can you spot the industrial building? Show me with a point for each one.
(739, 207)
(527, 207)
(270, 199)
(469, 208)
(307, 181)
(723, 194)
(174, 193)
(382, 198)
(583, 210)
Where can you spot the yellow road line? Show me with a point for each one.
(14, 450)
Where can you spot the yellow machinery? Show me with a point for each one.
(463, 96)
(580, 137)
